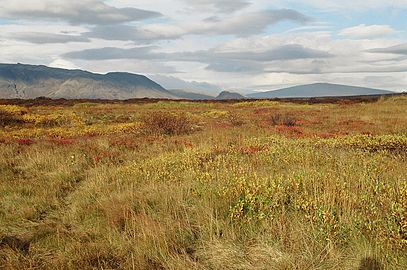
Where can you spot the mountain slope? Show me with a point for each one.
(319, 90)
(29, 81)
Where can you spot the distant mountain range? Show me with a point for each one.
(185, 94)
(29, 81)
(172, 83)
(319, 90)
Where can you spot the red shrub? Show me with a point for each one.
(25, 141)
(126, 142)
(291, 131)
(167, 123)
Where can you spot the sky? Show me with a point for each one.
(240, 45)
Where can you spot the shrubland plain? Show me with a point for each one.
(204, 185)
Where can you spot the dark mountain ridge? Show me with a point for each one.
(30, 81)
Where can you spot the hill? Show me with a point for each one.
(319, 90)
(229, 95)
(29, 81)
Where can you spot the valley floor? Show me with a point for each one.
(194, 185)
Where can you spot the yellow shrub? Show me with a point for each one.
(371, 143)
(54, 119)
(13, 109)
(215, 114)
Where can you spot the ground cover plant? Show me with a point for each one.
(203, 185)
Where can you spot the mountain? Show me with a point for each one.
(189, 95)
(29, 81)
(319, 90)
(229, 95)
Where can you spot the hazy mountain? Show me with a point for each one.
(319, 90)
(189, 95)
(170, 82)
(29, 81)
(229, 95)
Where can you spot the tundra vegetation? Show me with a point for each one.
(204, 185)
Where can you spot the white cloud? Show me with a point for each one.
(218, 5)
(368, 31)
(44, 38)
(397, 49)
(348, 5)
(137, 34)
(247, 24)
(143, 67)
(63, 63)
(73, 11)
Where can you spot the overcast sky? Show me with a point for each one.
(234, 44)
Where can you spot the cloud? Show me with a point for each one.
(144, 34)
(246, 24)
(223, 6)
(75, 12)
(112, 53)
(62, 63)
(368, 31)
(283, 52)
(234, 66)
(47, 38)
(398, 49)
(232, 62)
(288, 52)
(250, 23)
(144, 67)
(304, 70)
(349, 5)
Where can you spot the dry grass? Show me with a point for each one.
(150, 190)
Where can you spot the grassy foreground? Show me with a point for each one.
(179, 185)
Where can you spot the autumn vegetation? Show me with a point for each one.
(203, 185)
